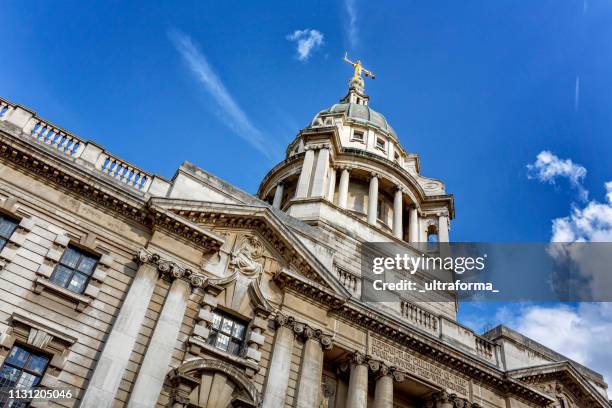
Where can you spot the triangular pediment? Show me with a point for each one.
(298, 260)
(562, 381)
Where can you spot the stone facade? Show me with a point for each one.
(205, 296)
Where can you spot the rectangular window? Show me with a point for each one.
(22, 369)
(227, 333)
(74, 269)
(380, 143)
(358, 136)
(7, 227)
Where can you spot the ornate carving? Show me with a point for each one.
(304, 331)
(171, 270)
(247, 258)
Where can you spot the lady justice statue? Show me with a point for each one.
(356, 81)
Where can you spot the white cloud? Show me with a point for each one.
(307, 40)
(234, 116)
(352, 29)
(593, 222)
(582, 333)
(548, 167)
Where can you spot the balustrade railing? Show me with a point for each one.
(123, 172)
(419, 317)
(58, 139)
(350, 281)
(485, 348)
(71, 145)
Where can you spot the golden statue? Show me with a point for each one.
(358, 68)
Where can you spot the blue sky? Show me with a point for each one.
(477, 88)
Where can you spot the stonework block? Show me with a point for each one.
(106, 260)
(8, 253)
(62, 240)
(257, 338)
(201, 331)
(92, 290)
(45, 270)
(206, 315)
(27, 224)
(253, 354)
(99, 275)
(210, 300)
(260, 323)
(54, 254)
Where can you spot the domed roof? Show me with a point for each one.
(358, 113)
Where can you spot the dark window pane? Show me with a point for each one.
(78, 283)
(238, 331)
(27, 380)
(216, 323)
(70, 257)
(7, 227)
(2, 243)
(61, 276)
(222, 342)
(87, 265)
(37, 364)
(18, 357)
(226, 327)
(9, 376)
(234, 347)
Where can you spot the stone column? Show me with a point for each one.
(441, 399)
(309, 383)
(443, 228)
(275, 391)
(383, 394)
(331, 189)
(320, 174)
(398, 227)
(358, 382)
(304, 179)
(115, 355)
(373, 199)
(161, 346)
(278, 195)
(343, 188)
(413, 224)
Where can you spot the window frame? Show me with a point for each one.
(213, 337)
(7, 238)
(381, 146)
(83, 254)
(354, 138)
(24, 370)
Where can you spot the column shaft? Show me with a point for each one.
(331, 190)
(383, 394)
(343, 188)
(358, 387)
(116, 352)
(278, 196)
(305, 175)
(320, 175)
(398, 227)
(373, 200)
(443, 228)
(159, 353)
(275, 392)
(413, 225)
(309, 386)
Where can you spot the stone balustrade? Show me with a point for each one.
(68, 144)
(484, 348)
(420, 317)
